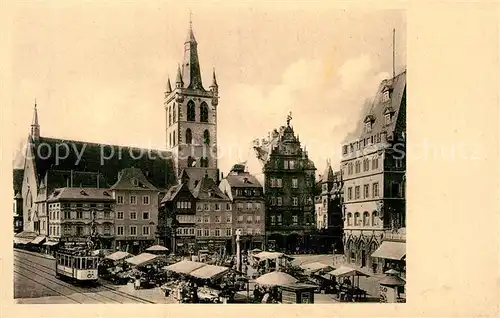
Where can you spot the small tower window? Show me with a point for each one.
(206, 137)
(189, 136)
(173, 115)
(387, 118)
(368, 126)
(204, 112)
(191, 112)
(169, 116)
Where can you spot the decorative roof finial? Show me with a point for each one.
(190, 19)
(288, 118)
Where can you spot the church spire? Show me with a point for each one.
(178, 80)
(191, 74)
(35, 127)
(214, 87)
(169, 86)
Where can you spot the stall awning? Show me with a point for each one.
(184, 267)
(21, 240)
(116, 256)
(391, 250)
(39, 239)
(316, 266)
(50, 243)
(142, 259)
(209, 272)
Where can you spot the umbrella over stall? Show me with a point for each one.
(344, 271)
(275, 279)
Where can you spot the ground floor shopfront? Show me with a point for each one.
(290, 242)
(133, 245)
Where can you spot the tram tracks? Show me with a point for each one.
(48, 275)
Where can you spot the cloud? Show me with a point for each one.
(326, 104)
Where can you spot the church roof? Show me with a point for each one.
(63, 178)
(17, 179)
(107, 159)
(191, 74)
(81, 194)
(128, 176)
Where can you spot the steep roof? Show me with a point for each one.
(206, 189)
(63, 178)
(81, 194)
(17, 179)
(243, 180)
(126, 179)
(379, 107)
(328, 174)
(103, 158)
(174, 190)
(191, 74)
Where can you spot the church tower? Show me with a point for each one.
(35, 127)
(191, 116)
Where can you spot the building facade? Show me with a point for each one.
(136, 211)
(289, 191)
(373, 167)
(191, 117)
(247, 196)
(81, 215)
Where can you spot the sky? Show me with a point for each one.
(98, 71)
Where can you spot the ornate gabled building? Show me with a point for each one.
(247, 196)
(289, 190)
(191, 117)
(373, 168)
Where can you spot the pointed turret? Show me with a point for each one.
(214, 88)
(169, 87)
(178, 81)
(35, 127)
(191, 74)
(328, 174)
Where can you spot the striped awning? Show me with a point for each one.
(39, 239)
(21, 240)
(391, 250)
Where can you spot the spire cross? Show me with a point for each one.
(190, 18)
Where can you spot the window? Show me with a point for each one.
(228, 218)
(280, 201)
(273, 220)
(344, 150)
(217, 219)
(349, 168)
(133, 215)
(170, 139)
(375, 189)
(349, 193)
(133, 199)
(107, 215)
(375, 163)
(249, 219)
(295, 201)
(385, 95)
(198, 219)
(357, 219)
(135, 183)
(366, 191)
(217, 232)
(228, 232)
(356, 193)
(204, 112)
(368, 126)
(217, 207)
(387, 118)
(239, 205)
(295, 183)
(145, 215)
(185, 231)
(256, 205)
(133, 230)
(206, 137)
(249, 206)
(398, 162)
(374, 218)
(295, 219)
(279, 183)
(292, 164)
(174, 140)
(358, 166)
(145, 230)
(199, 232)
(257, 219)
(249, 231)
(205, 207)
(206, 219)
(199, 207)
(257, 231)
(366, 219)
(79, 214)
(189, 136)
(240, 218)
(396, 190)
(174, 118)
(228, 207)
(206, 232)
(366, 164)
(191, 112)
(145, 199)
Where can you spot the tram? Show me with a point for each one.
(77, 265)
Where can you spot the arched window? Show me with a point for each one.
(204, 112)
(350, 168)
(358, 167)
(190, 161)
(349, 219)
(191, 112)
(356, 219)
(366, 165)
(374, 218)
(170, 139)
(204, 162)
(173, 114)
(169, 116)
(173, 139)
(206, 137)
(375, 163)
(189, 136)
(366, 219)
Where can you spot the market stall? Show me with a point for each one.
(347, 291)
(147, 269)
(157, 249)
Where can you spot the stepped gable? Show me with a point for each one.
(103, 158)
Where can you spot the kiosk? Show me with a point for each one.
(297, 294)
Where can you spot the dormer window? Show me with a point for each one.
(368, 123)
(386, 94)
(387, 118)
(135, 182)
(388, 115)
